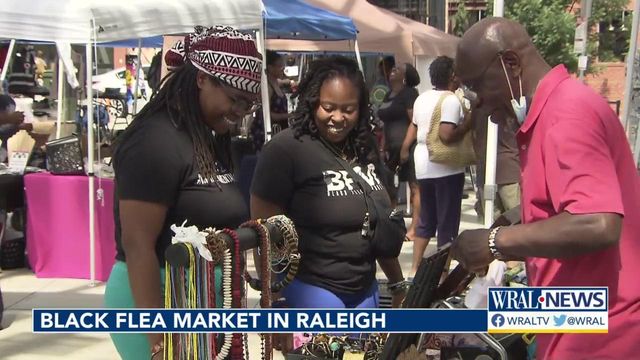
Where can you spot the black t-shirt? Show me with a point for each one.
(156, 164)
(393, 112)
(304, 178)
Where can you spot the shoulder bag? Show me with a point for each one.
(458, 154)
(382, 225)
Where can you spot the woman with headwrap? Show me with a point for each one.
(173, 163)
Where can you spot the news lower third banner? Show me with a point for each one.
(259, 320)
(548, 310)
(510, 310)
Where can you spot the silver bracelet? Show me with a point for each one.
(400, 285)
(492, 243)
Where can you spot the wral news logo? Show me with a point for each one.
(548, 310)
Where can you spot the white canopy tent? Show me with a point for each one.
(91, 21)
(70, 20)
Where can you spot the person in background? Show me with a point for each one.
(11, 121)
(299, 174)
(396, 113)
(278, 103)
(580, 186)
(41, 66)
(441, 185)
(376, 98)
(507, 161)
(172, 164)
(381, 86)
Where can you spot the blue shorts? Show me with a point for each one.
(303, 295)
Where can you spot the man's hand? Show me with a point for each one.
(471, 249)
(28, 127)
(15, 118)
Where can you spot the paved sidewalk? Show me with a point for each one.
(23, 292)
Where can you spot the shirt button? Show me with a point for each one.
(523, 147)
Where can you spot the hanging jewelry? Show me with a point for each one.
(227, 302)
(287, 250)
(265, 293)
(237, 348)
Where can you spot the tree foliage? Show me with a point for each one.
(460, 19)
(552, 25)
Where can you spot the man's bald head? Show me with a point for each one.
(498, 61)
(489, 37)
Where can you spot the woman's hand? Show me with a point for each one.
(404, 155)
(283, 343)
(157, 350)
(15, 118)
(397, 298)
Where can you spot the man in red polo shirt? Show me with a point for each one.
(580, 186)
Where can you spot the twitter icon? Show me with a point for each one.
(559, 320)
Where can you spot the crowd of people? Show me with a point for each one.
(577, 185)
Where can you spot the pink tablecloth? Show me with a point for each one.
(58, 226)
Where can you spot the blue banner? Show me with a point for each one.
(259, 320)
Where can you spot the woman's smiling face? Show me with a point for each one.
(338, 109)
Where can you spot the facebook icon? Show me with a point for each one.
(497, 320)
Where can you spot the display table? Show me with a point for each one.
(58, 226)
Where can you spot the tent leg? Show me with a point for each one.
(490, 189)
(636, 149)
(5, 66)
(90, 150)
(264, 86)
(358, 57)
(138, 69)
(60, 97)
(631, 57)
(489, 192)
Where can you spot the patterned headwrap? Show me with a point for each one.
(222, 52)
(174, 58)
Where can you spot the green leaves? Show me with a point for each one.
(552, 25)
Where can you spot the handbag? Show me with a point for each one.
(64, 156)
(12, 254)
(382, 225)
(458, 154)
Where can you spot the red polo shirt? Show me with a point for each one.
(575, 157)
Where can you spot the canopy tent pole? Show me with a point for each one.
(303, 60)
(358, 57)
(138, 66)
(264, 86)
(628, 85)
(490, 188)
(90, 146)
(60, 97)
(636, 150)
(5, 67)
(65, 69)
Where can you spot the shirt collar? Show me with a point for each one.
(548, 83)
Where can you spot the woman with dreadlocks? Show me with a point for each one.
(173, 164)
(299, 174)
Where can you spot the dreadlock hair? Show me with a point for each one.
(440, 71)
(303, 118)
(178, 95)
